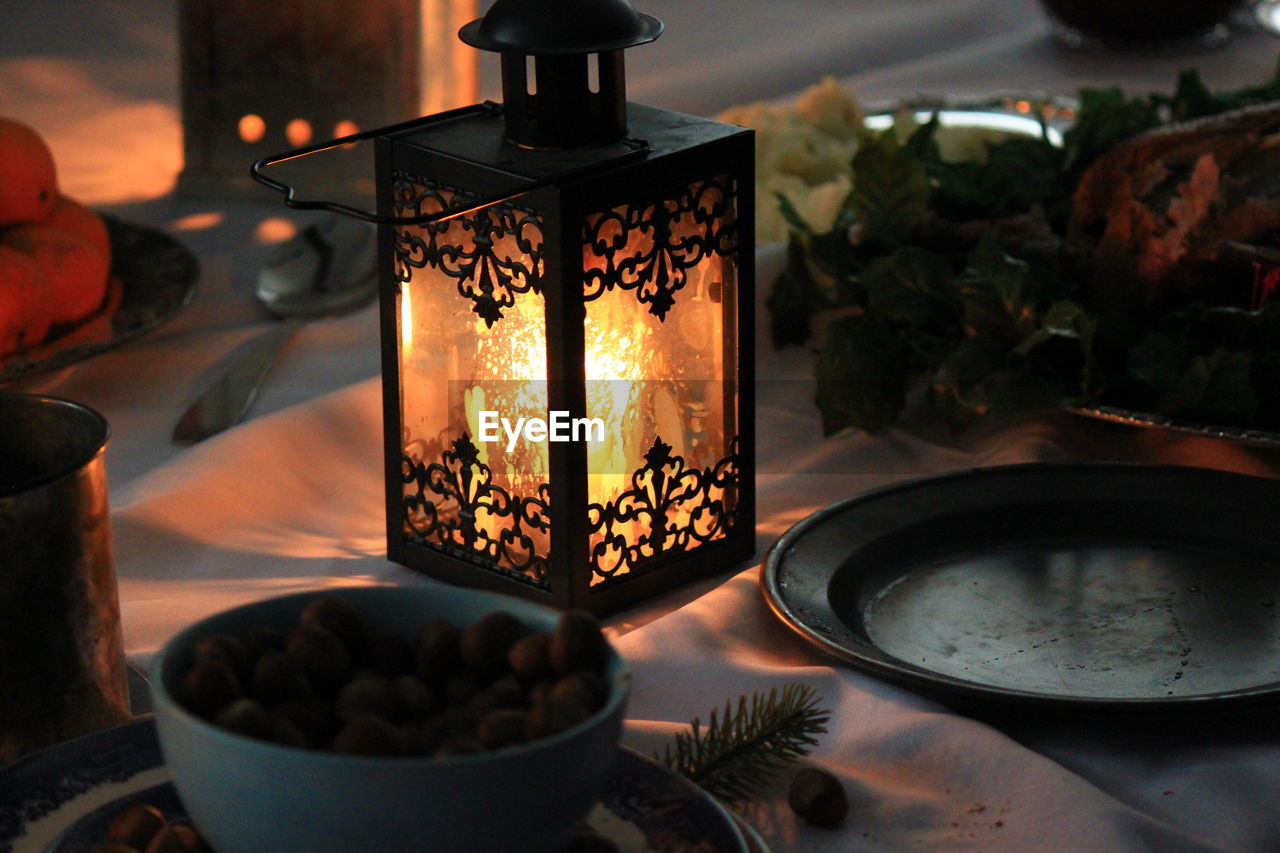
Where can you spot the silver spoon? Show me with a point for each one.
(327, 269)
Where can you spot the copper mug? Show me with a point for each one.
(62, 669)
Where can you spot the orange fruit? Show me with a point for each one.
(28, 178)
(70, 215)
(75, 271)
(24, 304)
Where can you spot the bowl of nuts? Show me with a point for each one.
(389, 719)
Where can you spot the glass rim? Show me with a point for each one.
(100, 434)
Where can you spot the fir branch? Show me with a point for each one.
(739, 750)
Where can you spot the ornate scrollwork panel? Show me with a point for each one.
(670, 509)
(650, 247)
(453, 505)
(494, 253)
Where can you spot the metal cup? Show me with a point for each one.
(62, 670)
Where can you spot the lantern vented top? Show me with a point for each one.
(561, 106)
(550, 27)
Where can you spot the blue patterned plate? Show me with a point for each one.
(61, 799)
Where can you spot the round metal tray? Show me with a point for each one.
(1092, 588)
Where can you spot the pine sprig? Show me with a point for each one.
(739, 750)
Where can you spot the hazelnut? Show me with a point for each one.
(587, 840)
(818, 797)
(530, 656)
(135, 826)
(228, 649)
(387, 655)
(583, 687)
(455, 722)
(461, 688)
(263, 640)
(369, 694)
(506, 692)
(501, 728)
(554, 713)
(487, 641)
(415, 741)
(459, 721)
(321, 655)
(314, 718)
(577, 643)
(458, 745)
(368, 735)
(208, 686)
(286, 732)
(247, 717)
(178, 838)
(435, 651)
(278, 678)
(414, 698)
(340, 618)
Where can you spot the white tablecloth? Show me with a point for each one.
(292, 499)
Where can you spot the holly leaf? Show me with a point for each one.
(997, 293)
(862, 374)
(1215, 388)
(795, 298)
(974, 381)
(956, 377)
(922, 144)
(790, 215)
(913, 286)
(891, 190)
(1159, 360)
(1192, 98)
(1019, 173)
(1062, 345)
(1105, 117)
(832, 253)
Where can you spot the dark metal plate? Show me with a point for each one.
(1257, 436)
(1121, 589)
(153, 277)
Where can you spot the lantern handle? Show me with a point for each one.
(638, 149)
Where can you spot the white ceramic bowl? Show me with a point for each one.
(248, 796)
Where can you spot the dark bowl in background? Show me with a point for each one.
(1137, 22)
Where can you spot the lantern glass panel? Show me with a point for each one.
(472, 338)
(660, 288)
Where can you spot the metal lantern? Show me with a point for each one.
(579, 270)
(259, 75)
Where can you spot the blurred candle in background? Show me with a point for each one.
(259, 77)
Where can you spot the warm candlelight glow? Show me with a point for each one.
(298, 132)
(453, 365)
(406, 325)
(274, 229)
(198, 221)
(252, 128)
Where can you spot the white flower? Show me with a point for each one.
(805, 153)
(831, 109)
(817, 205)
